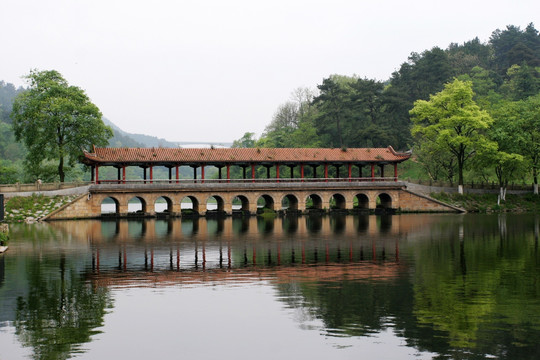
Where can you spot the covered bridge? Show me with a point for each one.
(365, 160)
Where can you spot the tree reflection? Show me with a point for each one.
(473, 292)
(60, 311)
(490, 306)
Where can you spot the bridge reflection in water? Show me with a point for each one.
(150, 252)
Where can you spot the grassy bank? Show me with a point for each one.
(32, 208)
(486, 203)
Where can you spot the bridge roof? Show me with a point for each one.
(211, 156)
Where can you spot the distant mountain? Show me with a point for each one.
(122, 138)
(125, 139)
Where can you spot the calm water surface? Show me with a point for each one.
(339, 287)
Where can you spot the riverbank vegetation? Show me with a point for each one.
(490, 203)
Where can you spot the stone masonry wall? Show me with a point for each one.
(412, 202)
(89, 205)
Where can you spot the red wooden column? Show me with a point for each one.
(151, 174)
(202, 173)
(350, 171)
(395, 171)
(97, 174)
(228, 172)
(372, 172)
(253, 172)
(326, 172)
(302, 172)
(177, 175)
(124, 174)
(382, 171)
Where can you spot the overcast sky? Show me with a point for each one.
(212, 70)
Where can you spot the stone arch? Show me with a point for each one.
(384, 201)
(289, 202)
(189, 204)
(244, 203)
(137, 205)
(337, 201)
(220, 203)
(110, 205)
(158, 208)
(361, 201)
(266, 201)
(314, 201)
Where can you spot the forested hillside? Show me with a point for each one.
(350, 111)
(501, 76)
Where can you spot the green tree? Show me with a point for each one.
(292, 123)
(246, 141)
(524, 117)
(522, 82)
(453, 123)
(8, 172)
(56, 121)
(515, 47)
(334, 108)
(438, 165)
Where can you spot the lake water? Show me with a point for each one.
(330, 287)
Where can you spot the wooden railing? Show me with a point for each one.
(246, 181)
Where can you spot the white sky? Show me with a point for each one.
(212, 70)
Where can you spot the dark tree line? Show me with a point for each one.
(359, 112)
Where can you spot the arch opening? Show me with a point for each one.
(215, 203)
(109, 206)
(265, 203)
(313, 202)
(384, 201)
(136, 205)
(240, 203)
(289, 202)
(189, 205)
(163, 205)
(361, 201)
(337, 202)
